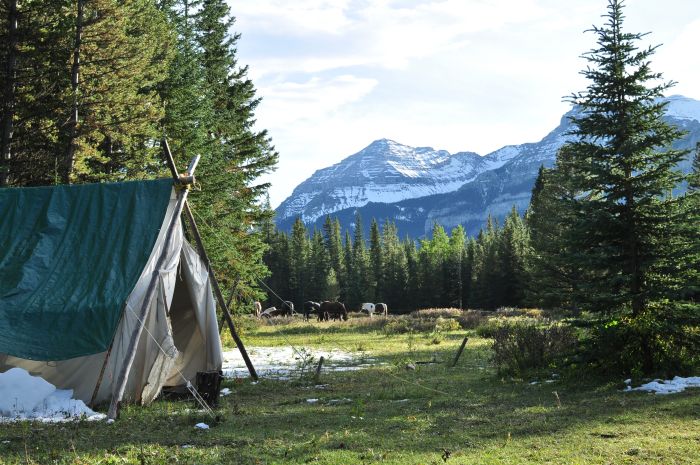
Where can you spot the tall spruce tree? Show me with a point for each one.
(513, 249)
(553, 277)
(395, 267)
(623, 224)
(376, 263)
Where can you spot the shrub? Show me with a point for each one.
(668, 332)
(396, 326)
(470, 319)
(522, 346)
(443, 325)
(435, 313)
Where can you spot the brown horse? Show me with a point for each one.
(332, 310)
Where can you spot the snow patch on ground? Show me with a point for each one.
(283, 363)
(673, 386)
(27, 397)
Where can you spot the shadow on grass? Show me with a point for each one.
(391, 409)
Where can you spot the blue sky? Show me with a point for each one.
(460, 75)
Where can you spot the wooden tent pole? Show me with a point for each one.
(205, 258)
(145, 307)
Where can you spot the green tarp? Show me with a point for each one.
(69, 258)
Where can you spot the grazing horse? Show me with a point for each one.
(382, 309)
(288, 308)
(272, 311)
(310, 307)
(257, 308)
(368, 308)
(332, 310)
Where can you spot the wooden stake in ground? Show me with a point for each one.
(317, 376)
(459, 352)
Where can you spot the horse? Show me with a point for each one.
(310, 307)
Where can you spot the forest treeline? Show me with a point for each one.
(445, 270)
(89, 89)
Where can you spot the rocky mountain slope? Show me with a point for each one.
(417, 187)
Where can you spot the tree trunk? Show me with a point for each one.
(9, 94)
(75, 81)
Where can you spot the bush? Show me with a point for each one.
(443, 325)
(435, 313)
(667, 333)
(470, 319)
(411, 324)
(522, 346)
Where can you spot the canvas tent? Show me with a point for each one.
(79, 265)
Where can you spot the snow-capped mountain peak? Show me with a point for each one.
(384, 171)
(418, 186)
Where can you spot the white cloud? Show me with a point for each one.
(454, 74)
(293, 103)
(302, 17)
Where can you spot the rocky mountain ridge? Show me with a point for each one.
(416, 187)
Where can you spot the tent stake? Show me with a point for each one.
(205, 258)
(145, 307)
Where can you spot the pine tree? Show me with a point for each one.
(624, 224)
(9, 34)
(453, 266)
(318, 270)
(376, 264)
(512, 257)
(414, 284)
(690, 208)
(210, 111)
(348, 272)
(120, 53)
(358, 275)
(485, 284)
(334, 245)
(299, 247)
(395, 266)
(467, 272)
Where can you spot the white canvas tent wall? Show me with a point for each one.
(180, 335)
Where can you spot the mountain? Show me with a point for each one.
(416, 187)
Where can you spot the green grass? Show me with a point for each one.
(431, 415)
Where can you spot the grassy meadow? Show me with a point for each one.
(411, 407)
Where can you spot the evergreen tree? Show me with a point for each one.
(9, 35)
(298, 258)
(395, 266)
(318, 270)
(512, 258)
(120, 52)
(376, 264)
(348, 273)
(334, 245)
(414, 284)
(210, 106)
(454, 269)
(467, 272)
(554, 272)
(485, 270)
(358, 275)
(626, 225)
